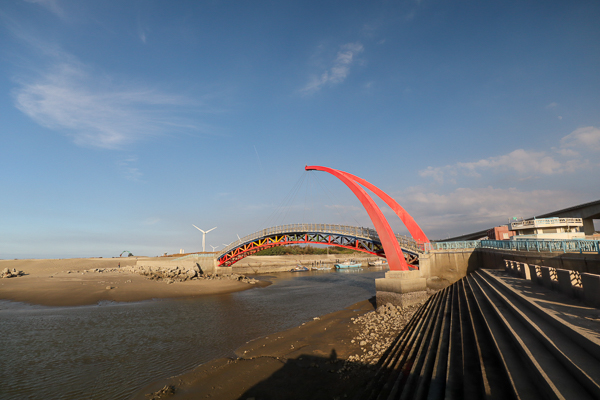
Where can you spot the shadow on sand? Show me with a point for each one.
(311, 377)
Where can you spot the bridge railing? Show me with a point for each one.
(560, 246)
(356, 231)
(454, 245)
(552, 246)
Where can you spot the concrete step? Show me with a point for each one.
(437, 380)
(492, 376)
(583, 326)
(390, 364)
(423, 358)
(517, 380)
(550, 375)
(409, 357)
(484, 338)
(567, 345)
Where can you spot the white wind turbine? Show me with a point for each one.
(204, 236)
(213, 247)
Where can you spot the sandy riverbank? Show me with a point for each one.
(330, 357)
(78, 281)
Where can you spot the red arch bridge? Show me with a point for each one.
(350, 237)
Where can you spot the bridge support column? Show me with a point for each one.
(588, 226)
(401, 288)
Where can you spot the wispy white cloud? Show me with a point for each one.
(566, 158)
(470, 209)
(344, 208)
(95, 111)
(129, 168)
(141, 30)
(151, 221)
(339, 70)
(587, 137)
(51, 5)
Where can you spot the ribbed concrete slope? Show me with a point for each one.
(495, 337)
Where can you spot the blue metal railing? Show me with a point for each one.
(555, 246)
(552, 246)
(466, 244)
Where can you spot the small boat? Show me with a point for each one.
(380, 262)
(348, 264)
(299, 268)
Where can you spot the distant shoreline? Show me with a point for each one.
(74, 282)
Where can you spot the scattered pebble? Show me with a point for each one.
(162, 393)
(376, 332)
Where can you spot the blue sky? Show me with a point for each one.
(125, 122)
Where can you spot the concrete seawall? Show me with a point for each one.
(441, 268)
(494, 258)
(453, 265)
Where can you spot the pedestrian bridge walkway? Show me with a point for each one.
(350, 237)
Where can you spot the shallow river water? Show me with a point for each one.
(111, 350)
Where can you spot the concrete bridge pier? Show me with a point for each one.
(401, 288)
(588, 226)
(437, 270)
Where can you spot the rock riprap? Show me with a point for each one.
(377, 330)
(171, 274)
(11, 273)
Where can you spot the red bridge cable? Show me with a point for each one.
(415, 230)
(390, 244)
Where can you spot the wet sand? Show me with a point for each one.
(306, 362)
(300, 363)
(73, 282)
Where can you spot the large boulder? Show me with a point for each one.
(8, 273)
(191, 273)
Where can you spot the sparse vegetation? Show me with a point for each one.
(293, 250)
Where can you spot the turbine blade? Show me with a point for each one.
(211, 229)
(197, 228)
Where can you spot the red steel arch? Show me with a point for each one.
(390, 244)
(415, 230)
(353, 243)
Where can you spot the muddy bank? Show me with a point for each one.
(74, 282)
(333, 356)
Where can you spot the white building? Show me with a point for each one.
(548, 228)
